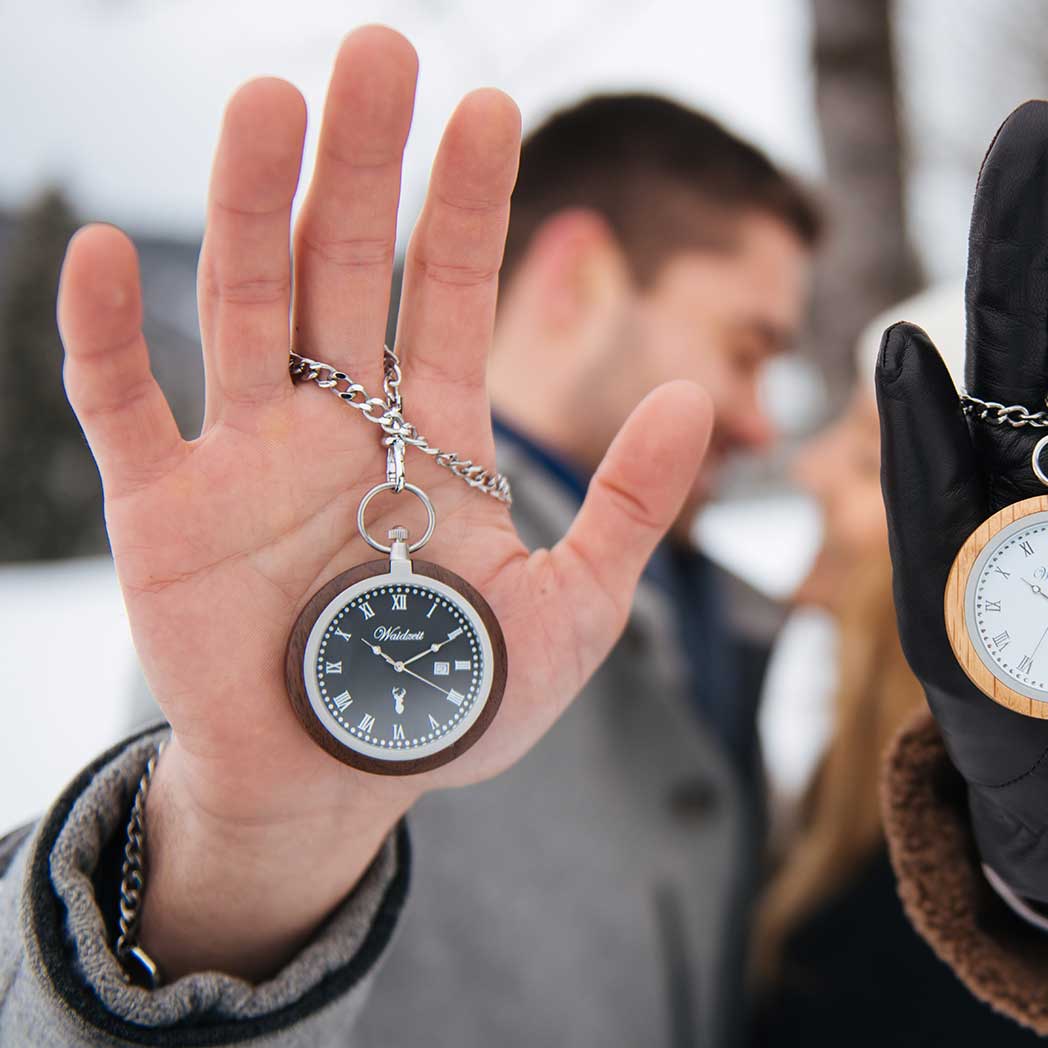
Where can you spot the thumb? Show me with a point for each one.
(933, 492)
(632, 499)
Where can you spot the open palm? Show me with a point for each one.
(220, 541)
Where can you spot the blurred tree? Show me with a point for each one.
(49, 486)
(964, 65)
(868, 262)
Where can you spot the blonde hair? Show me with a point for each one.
(841, 824)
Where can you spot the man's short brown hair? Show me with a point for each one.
(664, 177)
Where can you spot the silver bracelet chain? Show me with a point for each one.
(133, 881)
(387, 413)
(996, 414)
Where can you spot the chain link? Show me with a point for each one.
(132, 879)
(996, 414)
(388, 415)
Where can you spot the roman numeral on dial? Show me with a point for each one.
(398, 731)
(992, 605)
(367, 722)
(369, 612)
(400, 602)
(1025, 664)
(333, 667)
(1001, 640)
(455, 697)
(342, 701)
(434, 723)
(1026, 547)
(344, 636)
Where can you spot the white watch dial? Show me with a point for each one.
(1006, 606)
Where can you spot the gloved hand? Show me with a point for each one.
(943, 475)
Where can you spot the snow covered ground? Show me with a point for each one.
(66, 663)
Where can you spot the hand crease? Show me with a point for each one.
(475, 207)
(351, 252)
(158, 585)
(455, 276)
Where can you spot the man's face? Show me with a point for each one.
(715, 317)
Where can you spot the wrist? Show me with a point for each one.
(241, 893)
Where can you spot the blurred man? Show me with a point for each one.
(647, 243)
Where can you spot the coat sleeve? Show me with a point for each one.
(61, 984)
(1001, 957)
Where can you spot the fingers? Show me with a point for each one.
(244, 277)
(933, 489)
(447, 312)
(1007, 292)
(635, 495)
(124, 414)
(346, 232)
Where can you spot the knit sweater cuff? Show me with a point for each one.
(68, 939)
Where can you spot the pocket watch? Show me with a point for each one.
(996, 603)
(397, 665)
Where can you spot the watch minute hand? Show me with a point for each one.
(425, 651)
(1037, 645)
(417, 676)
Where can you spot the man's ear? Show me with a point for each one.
(575, 267)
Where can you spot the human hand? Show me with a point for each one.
(220, 541)
(942, 479)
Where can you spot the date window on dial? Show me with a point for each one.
(441, 669)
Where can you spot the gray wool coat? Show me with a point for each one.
(588, 896)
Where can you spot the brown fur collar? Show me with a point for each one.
(998, 956)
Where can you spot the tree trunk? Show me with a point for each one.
(49, 486)
(868, 262)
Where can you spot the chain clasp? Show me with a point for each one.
(395, 463)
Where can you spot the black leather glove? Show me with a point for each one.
(943, 476)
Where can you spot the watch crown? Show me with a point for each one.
(398, 534)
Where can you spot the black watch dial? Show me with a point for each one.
(400, 669)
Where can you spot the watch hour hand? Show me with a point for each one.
(378, 651)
